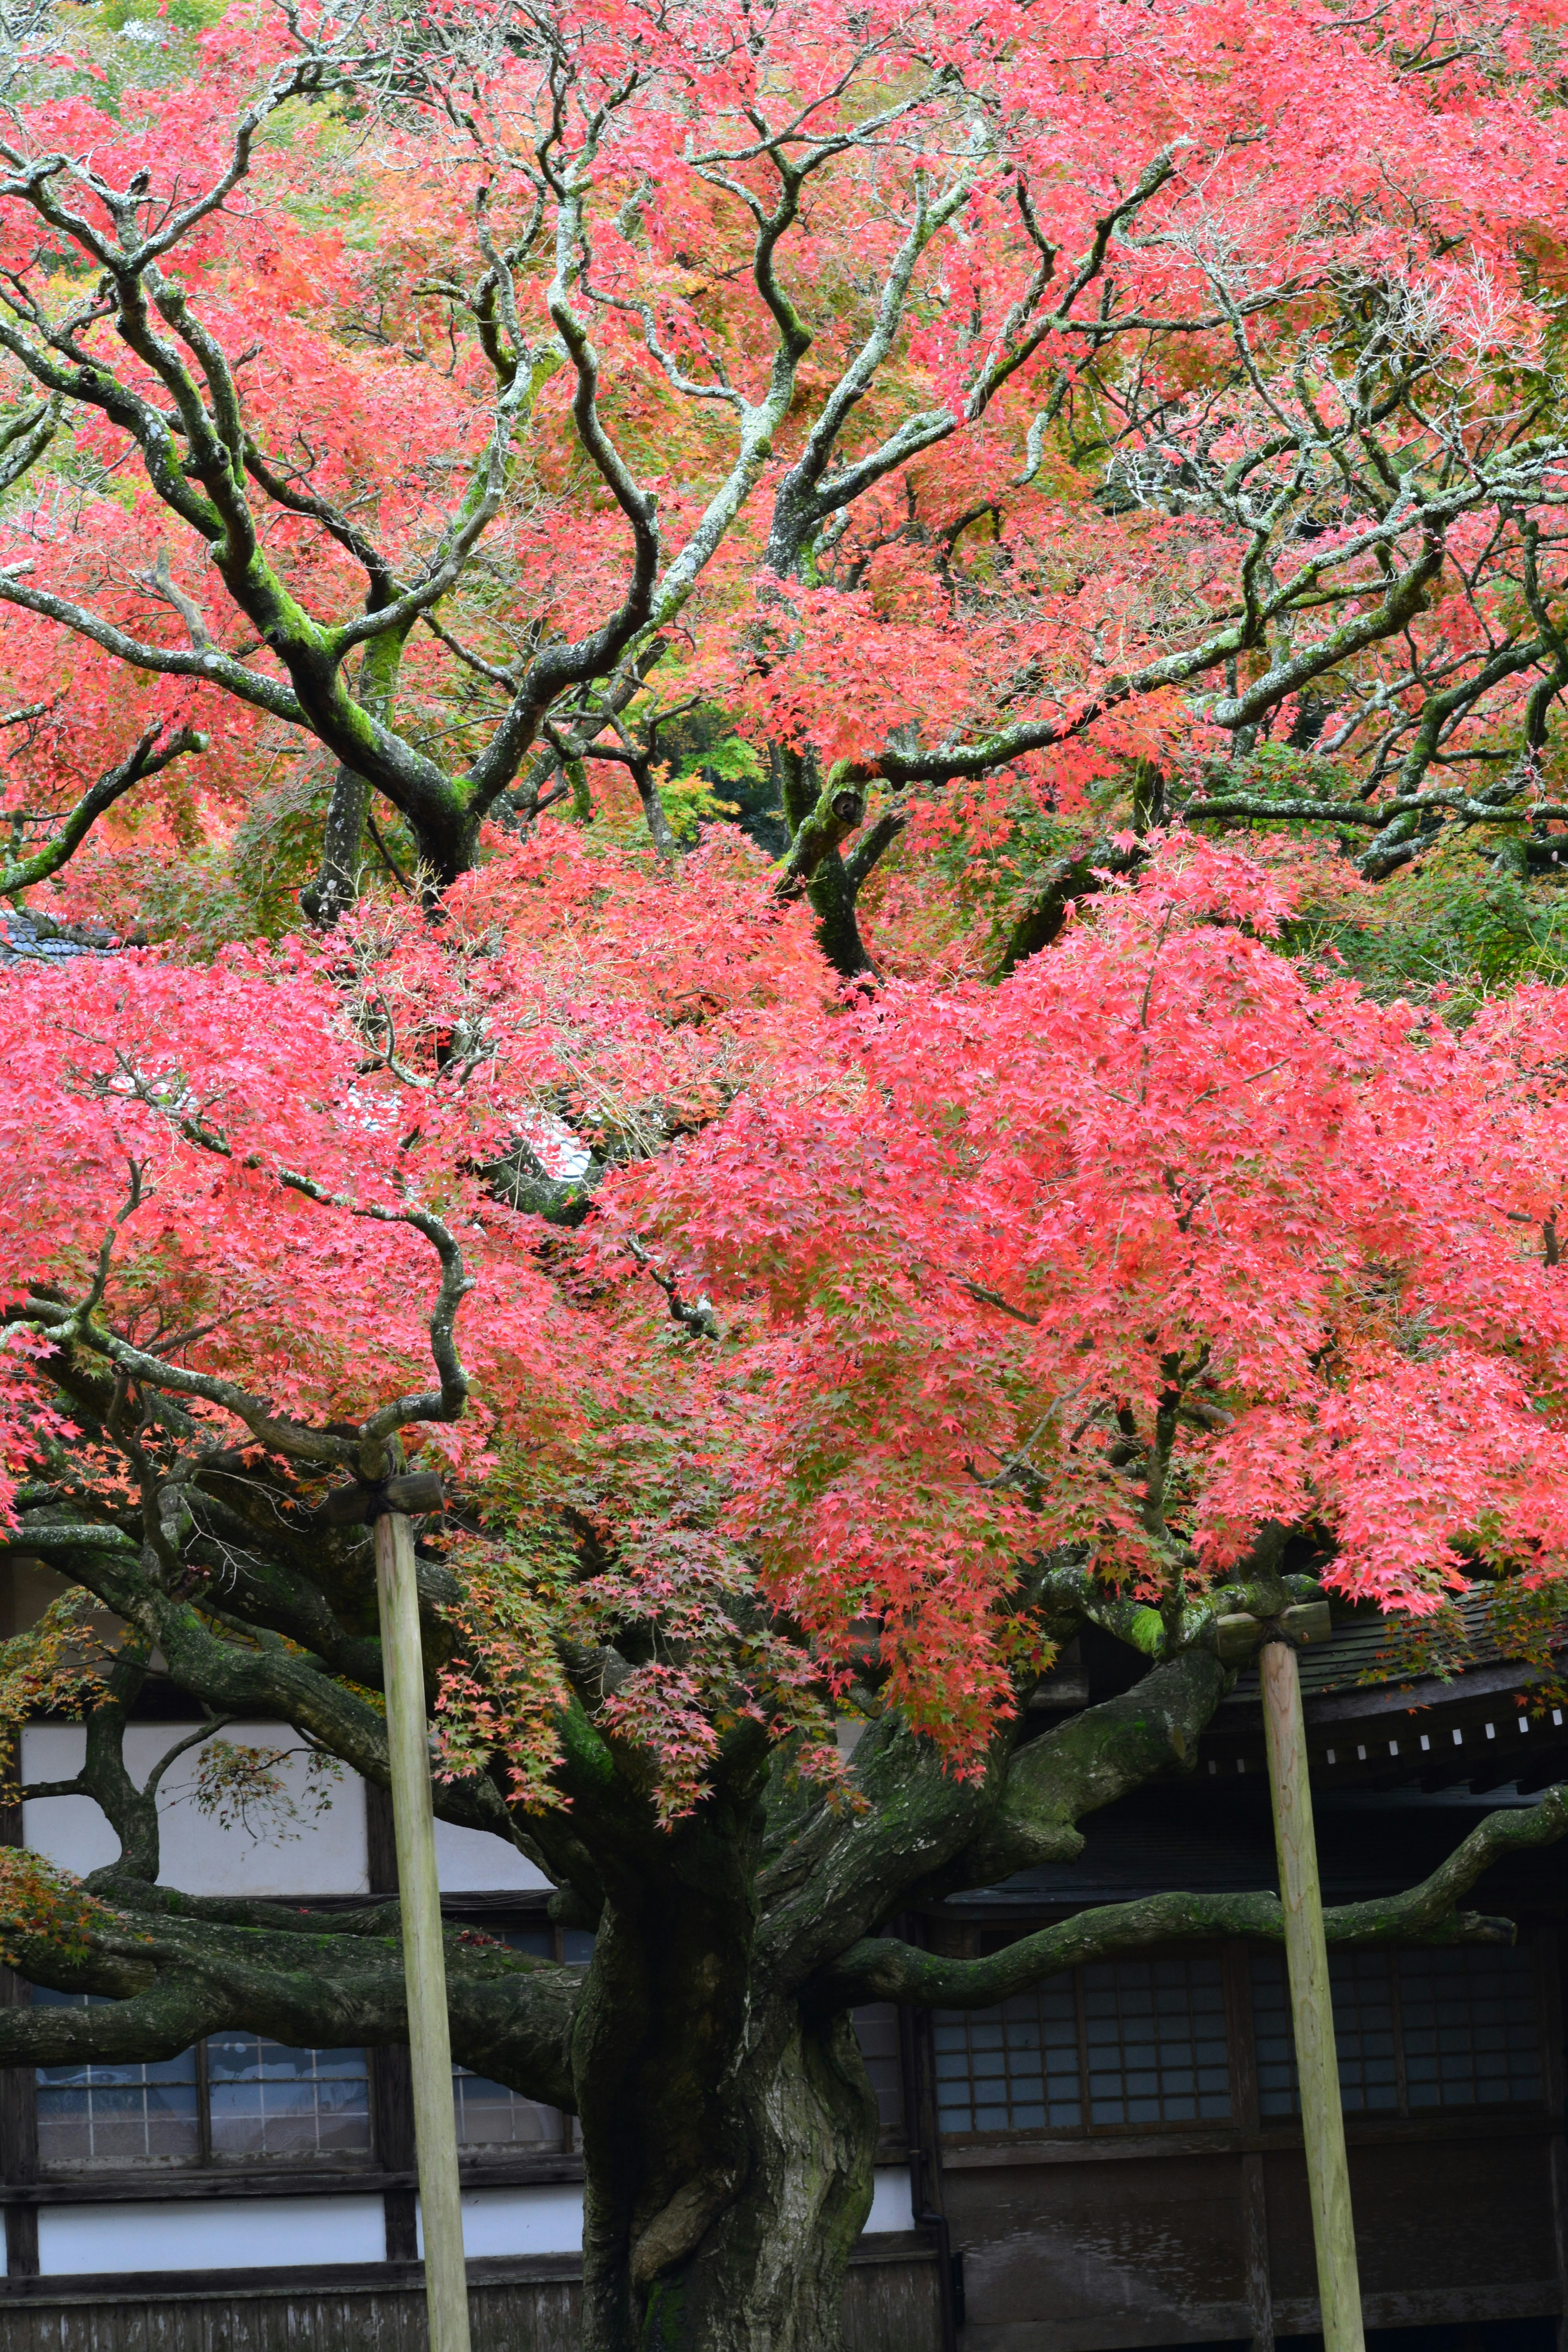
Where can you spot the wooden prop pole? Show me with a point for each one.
(1311, 2003)
(423, 1962)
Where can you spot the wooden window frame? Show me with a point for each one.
(1541, 1949)
(978, 1942)
(388, 2167)
(202, 2164)
(1247, 2126)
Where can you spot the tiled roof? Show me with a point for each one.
(25, 939)
(1362, 1651)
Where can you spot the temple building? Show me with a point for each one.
(1111, 2160)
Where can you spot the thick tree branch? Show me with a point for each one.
(1089, 1762)
(886, 1970)
(174, 1972)
(365, 1451)
(236, 677)
(839, 810)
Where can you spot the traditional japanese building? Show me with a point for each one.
(1118, 2151)
(1111, 2160)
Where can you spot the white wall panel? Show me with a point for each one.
(543, 2220)
(236, 2234)
(322, 1854)
(325, 1855)
(549, 2220)
(471, 1861)
(255, 2232)
(892, 2207)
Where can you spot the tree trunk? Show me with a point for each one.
(747, 2254)
(769, 2274)
(829, 892)
(336, 886)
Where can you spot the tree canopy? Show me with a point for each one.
(676, 634)
(932, 411)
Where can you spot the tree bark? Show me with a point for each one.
(831, 891)
(337, 884)
(748, 2254)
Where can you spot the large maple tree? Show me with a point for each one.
(793, 1358)
(450, 399)
(943, 413)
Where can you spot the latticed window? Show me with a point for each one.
(1134, 2041)
(1362, 1989)
(129, 2114)
(877, 2028)
(490, 2117)
(1414, 2031)
(1141, 2044)
(1467, 2027)
(1015, 2068)
(265, 2100)
(235, 2099)
(1154, 2041)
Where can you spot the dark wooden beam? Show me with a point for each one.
(134, 2184)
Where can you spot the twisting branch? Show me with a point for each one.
(840, 811)
(174, 1975)
(236, 677)
(365, 1450)
(884, 1968)
(696, 1316)
(23, 439)
(447, 1402)
(75, 1327)
(155, 750)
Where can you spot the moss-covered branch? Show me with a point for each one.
(173, 1969)
(884, 1968)
(1093, 1759)
(157, 749)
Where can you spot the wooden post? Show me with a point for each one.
(423, 1962)
(1311, 2003)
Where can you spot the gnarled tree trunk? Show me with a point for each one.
(749, 2252)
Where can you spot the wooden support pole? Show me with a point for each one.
(423, 1962)
(1311, 2003)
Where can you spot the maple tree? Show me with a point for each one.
(984, 445)
(793, 1360)
(452, 400)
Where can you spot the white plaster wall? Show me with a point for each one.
(471, 1861)
(549, 2221)
(892, 2207)
(325, 1854)
(236, 2233)
(253, 2233)
(543, 2220)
